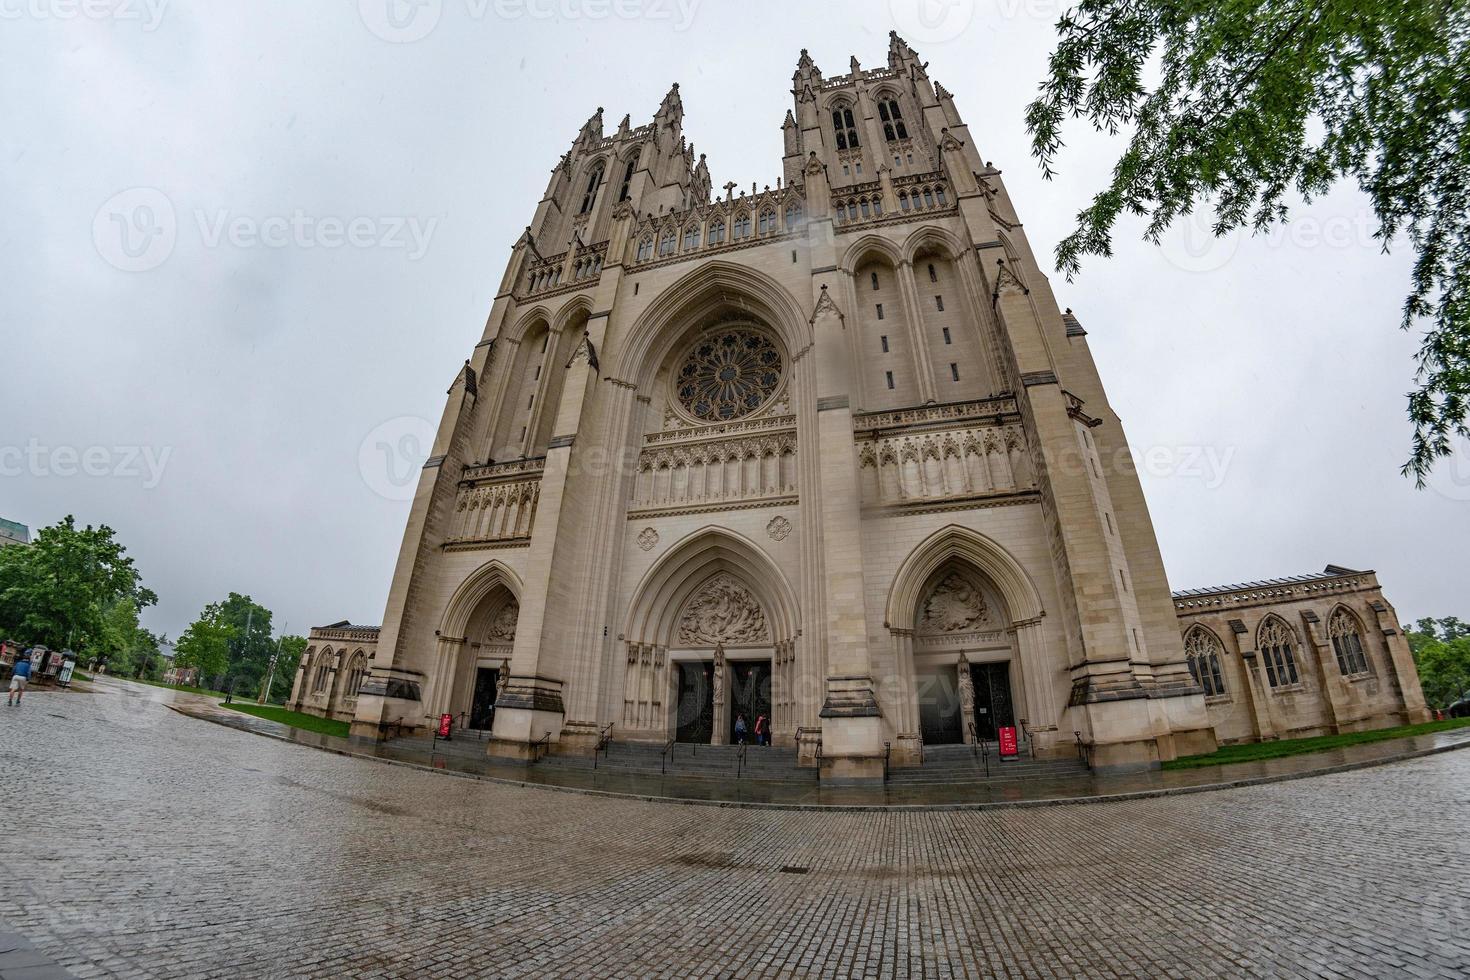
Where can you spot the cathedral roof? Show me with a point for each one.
(1331, 571)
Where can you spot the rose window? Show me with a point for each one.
(729, 374)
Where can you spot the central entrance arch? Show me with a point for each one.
(476, 636)
(711, 637)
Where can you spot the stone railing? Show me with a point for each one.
(997, 410)
(666, 237)
(952, 462)
(916, 194)
(721, 430)
(1270, 591)
(716, 471)
(553, 272)
(497, 502)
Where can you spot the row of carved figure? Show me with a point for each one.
(734, 469)
(496, 512)
(944, 464)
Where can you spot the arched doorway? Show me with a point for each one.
(475, 644)
(963, 658)
(965, 620)
(711, 637)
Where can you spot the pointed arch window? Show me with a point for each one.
(767, 225)
(1202, 651)
(845, 127)
(628, 178)
(892, 118)
(1347, 643)
(594, 181)
(667, 243)
(1278, 652)
(645, 250)
(716, 232)
(741, 227)
(793, 215)
(691, 238)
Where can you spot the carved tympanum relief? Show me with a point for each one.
(954, 605)
(503, 629)
(723, 611)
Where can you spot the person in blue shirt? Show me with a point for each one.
(19, 678)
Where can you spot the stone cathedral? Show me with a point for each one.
(825, 451)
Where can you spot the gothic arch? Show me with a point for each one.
(666, 587)
(932, 237)
(1022, 601)
(527, 322)
(580, 306)
(859, 251)
(473, 591)
(699, 295)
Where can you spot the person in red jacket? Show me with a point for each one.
(762, 730)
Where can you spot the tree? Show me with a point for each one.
(1441, 651)
(291, 648)
(205, 644)
(1255, 99)
(60, 590)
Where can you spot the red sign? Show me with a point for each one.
(1007, 742)
(446, 720)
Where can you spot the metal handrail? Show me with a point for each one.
(1084, 751)
(664, 758)
(604, 739)
(740, 760)
(1030, 742)
(887, 750)
(544, 742)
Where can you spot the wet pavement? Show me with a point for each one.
(145, 843)
(466, 756)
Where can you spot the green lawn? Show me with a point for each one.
(1256, 751)
(173, 687)
(308, 723)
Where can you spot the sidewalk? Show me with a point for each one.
(750, 793)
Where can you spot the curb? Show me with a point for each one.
(1145, 794)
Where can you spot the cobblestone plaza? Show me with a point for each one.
(164, 846)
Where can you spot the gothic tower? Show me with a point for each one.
(828, 451)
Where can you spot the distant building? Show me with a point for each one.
(12, 532)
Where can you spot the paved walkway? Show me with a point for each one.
(155, 845)
(466, 756)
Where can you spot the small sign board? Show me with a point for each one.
(446, 721)
(1008, 746)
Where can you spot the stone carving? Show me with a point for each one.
(779, 528)
(723, 611)
(647, 539)
(728, 375)
(955, 604)
(503, 629)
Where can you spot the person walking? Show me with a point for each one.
(19, 677)
(762, 730)
(739, 729)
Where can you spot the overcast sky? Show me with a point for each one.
(245, 242)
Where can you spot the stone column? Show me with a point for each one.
(1255, 695)
(1328, 674)
(1401, 662)
(918, 336)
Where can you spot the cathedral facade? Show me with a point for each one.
(826, 452)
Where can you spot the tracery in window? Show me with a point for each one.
(1202, 650)
(594, 181)
(1347, 643)
(1277, 643)
(728, 374)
